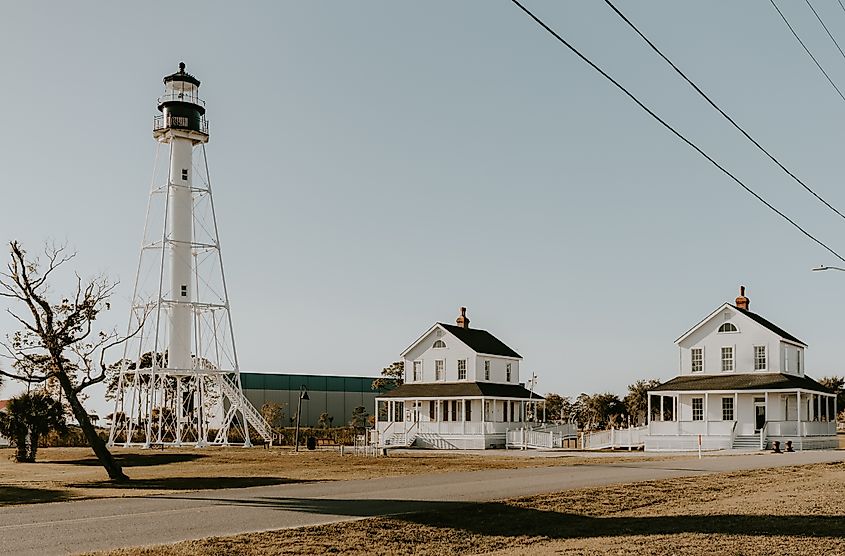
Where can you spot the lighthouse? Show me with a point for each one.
(179, 382)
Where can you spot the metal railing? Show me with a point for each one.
(181, 97)
(177, 122)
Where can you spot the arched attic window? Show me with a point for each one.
(728, 327)
(439, 344)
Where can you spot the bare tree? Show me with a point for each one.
(58, 341)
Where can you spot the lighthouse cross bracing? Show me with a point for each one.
(179, 381)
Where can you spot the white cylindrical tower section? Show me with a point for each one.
(182, 124)
(180, 205)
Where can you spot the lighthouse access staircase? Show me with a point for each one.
(240, 402)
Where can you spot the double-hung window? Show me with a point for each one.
(697, 359)
(759, 358)
(439, 366)
(727, 359)
(508, 372)
(727, 409)
(798, 360)
(417, 371)
(698, 409)
(462, 369)
(486, 370)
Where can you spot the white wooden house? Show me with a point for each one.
(741, 385)
(462, 390)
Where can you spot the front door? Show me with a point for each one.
(759, 417)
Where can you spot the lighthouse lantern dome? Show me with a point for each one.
(180, 105)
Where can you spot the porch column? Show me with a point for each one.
(736, 406)
(707, 413)
(648, 416)
(662, 415)
(798, 411)
(483, 408)
(765, 405)
(675, 408)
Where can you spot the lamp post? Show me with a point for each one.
(303, 395)
(825, 267)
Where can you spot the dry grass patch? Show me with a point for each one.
(793, 510)
(63, 473)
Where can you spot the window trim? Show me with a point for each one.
(508, 371)
(732, 408)
(417, 376)
(700, 409)
(464, 377)
(486, 369)
(438, 341)
(727, 323)
(441, 370)
(732, 360)
(765, 366)
(692, 365)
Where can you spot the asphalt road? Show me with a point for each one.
(84, 525)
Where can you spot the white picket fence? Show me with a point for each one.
(614, 438)
(542, 437)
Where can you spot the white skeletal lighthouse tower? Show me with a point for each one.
(178, 382)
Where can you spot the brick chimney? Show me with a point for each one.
(742, 301)
(463, 320)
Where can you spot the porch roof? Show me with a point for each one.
(460, 390)
(746, 381)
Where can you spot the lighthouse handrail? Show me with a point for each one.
(182, 122)
(255, 418)
(181, 97)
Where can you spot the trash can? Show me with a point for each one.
(311, 442)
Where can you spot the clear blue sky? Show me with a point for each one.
(379, 164)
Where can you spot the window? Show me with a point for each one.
(439, 365)
(697, 356)
(727, 409)
(486, 370)
(728, 327)
(184, 174)
(798, 360)
(727, 359)
(417, 371)
(184, 291)
(759, 358)
(462, 369)
(698, 409)
(508, 372)
(454, 410)
(439, 344)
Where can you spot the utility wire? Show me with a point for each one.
(841, 5)
(675, 132)
(807, 50)
(829, 34)
(718, 109)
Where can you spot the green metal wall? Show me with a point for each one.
(335, 395)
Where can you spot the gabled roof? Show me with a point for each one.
(773, 327)
(480, 341)
(460, 389)
(753, 316)
(741, 381)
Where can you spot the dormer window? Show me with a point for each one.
(439, 344)
(728, 327)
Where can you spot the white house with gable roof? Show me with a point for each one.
(741, 385)
(462, 390)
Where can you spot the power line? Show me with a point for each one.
(675, 132)
(829, 34)
(719, 109)
(807, 50)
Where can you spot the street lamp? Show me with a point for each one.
(303, 395)
(825, 267)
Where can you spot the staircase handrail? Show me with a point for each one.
(763, 435)
(254, 418)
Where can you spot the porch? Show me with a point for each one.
(465, 423)
(722, 420)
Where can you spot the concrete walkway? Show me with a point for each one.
(83, 525)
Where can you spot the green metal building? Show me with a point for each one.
(335, 395)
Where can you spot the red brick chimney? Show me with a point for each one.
(742, 301)
(463, 320)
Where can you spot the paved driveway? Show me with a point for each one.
(77, 526)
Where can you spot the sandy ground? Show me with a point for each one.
(66, 473)
(792, 510)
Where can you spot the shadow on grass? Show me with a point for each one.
(24, 495)
(189, 483)
(499, 519)
(147, 459)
